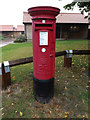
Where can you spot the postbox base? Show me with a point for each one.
(43, 90)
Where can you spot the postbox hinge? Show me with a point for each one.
(69, 53)
(6, 66)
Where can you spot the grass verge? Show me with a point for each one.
(71, 85)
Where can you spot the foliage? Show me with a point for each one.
(20, 39)
(1, 37)
(83, 6)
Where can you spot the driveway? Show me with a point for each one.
(6, 42)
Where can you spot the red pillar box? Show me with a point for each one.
(44, 31)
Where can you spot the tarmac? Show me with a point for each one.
(6, 42)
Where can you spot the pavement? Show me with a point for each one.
(6, 42)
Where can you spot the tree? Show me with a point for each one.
(83, 7)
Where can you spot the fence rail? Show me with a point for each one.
(81, 52)
(61, 53)
(20, 61)
(5, 78)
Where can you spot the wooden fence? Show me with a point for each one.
(5, 78)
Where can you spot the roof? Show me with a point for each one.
(61, 18)
(27, 18)
(20, 27)
(11, 28)
(6, 27)
(71, 18)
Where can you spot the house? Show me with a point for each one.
(68, 26)
(18, 31)
(71, 26)
(9, 31)
(27, 21)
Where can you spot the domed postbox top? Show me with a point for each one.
(43, 12)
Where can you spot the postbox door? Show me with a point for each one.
(46, 56)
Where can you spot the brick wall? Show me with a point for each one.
(11, 34)
(28, 32)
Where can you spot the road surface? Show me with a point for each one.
(6, 42)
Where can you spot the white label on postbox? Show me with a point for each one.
(43, 38)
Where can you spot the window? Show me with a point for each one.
(74, 28)
(22, 32)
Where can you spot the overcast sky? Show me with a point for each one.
(11, 11)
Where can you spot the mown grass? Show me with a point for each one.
(16, 51)
(71, 84)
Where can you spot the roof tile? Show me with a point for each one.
(71, 18)
(61, 18)
(6, 27)
(11, 28)
(27, 18)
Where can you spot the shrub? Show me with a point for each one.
(20, 39)
(1, 37)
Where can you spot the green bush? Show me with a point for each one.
(20, 39)
(1, 38)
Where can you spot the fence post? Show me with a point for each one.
(5, 78)
(0, 76)
(7, 73)
(68, 58)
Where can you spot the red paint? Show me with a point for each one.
(44, 62)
